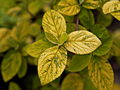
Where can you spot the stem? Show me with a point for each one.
(77, 22)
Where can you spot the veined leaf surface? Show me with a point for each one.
(91, 4)
(101, 73)
(82, 42)
(116, 15)
(37, 47)
(51, 64)
(111, 6)
(54, 26)
(68, 7)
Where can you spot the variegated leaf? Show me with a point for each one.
(37, 48)
(4, 35)
(82, 42)
(54, 26)
(51, 64)
(101, 73)
(68, 7)
(91, 4)
(111, 6)
(116, 15)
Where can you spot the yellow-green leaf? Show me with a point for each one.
(11, 65)
(37, 48)
(116, 87)
(4, 35)
(91, 4)
(73, 81)
(111, 6)
(82, 42)
(101, 73)
(54, 25)
(68, 7)
(116, 15)
(51, 64)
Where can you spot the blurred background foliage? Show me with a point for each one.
(20, 25)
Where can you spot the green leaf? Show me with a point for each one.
(10, 65)
(54, 26)
(4, 35)
(35, 6)
(23, 69)
(104, 19)
(5, 5)
(51, 64)
(32, 82)
(89, 85)
(101, 73)
(14, 86)
(86, 18)
(68, 7)
(107, 41)
(79, 62)
(37, 48)
(71, 27)
(35, 29)
(91, 4)
(7, 20)
(32, 61)
(72, 81)
(82, 42)
(69, 19)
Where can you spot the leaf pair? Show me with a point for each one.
(53, 60)
(112, 7)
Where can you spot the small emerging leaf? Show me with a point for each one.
(82, 42)
(51, 64)
(37, 48)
